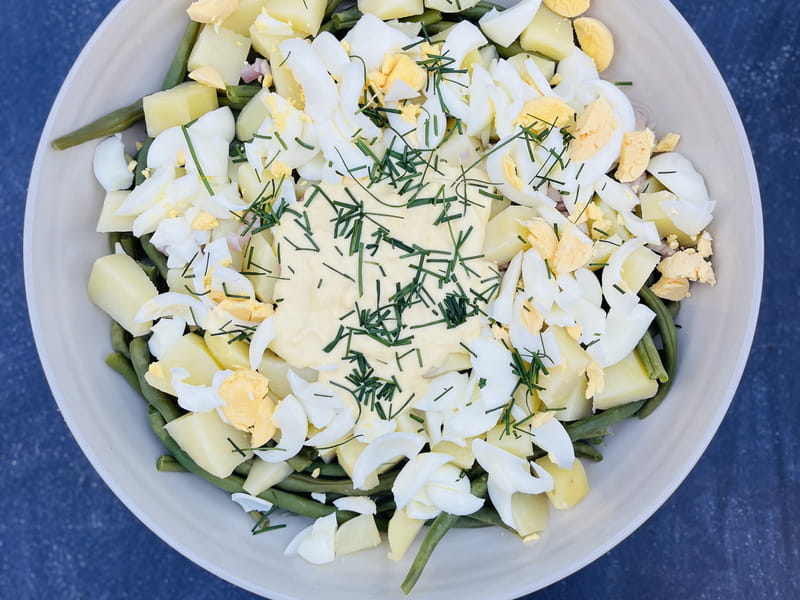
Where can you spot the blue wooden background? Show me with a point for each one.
(728, 532)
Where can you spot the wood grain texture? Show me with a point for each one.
(728, 532)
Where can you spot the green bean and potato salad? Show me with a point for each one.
(395, 267)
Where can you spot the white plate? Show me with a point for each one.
(644, 461)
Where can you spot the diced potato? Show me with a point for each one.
(283, 80)
(348, 454)
(261, 265)
(638, 266)
(119, 287)
(531, 513)
(498, 206)
(391, 9)
(546, 66)
(462, 455)
(626, 381)
(570, 486)
(652, 185)
(503, 233)
(252, 116)
(517, 443)
(548, 34)
(402, 531)
(189, 352)
(178, 106)
(304, 15)
(450, 6)
(274, 368)
(266, 43)
(228, 353)
(222, 50)
(204, 437)
(108, 221)
(244, 16)
(179, 279)
(264, 475)
(652, 211)
(359, 533)
(565, 385)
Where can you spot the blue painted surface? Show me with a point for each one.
(728, 532)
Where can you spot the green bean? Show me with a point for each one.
(300, 462)
(509, 51)
(586, 450)
(332, 469)
(114, 122)
(428, 17)
(237, 96)
(598, 424)
(118, 362)
(120, 339)
(113, 239)
(168, 463)
(130, 245)
(440, 526)
(150, 270)
(297, 504)
(330, 8)
(646, 349)
(243, 469)
(346, 19)
(480, 9)
(153, 253)
(165, 404)
(669, 340)
(230, 484)
(298, 482)
(141, 162)
(470, 523)
(177, 69)
(674, 308)
(439, 27)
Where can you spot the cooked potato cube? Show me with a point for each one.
(304, 15)
(119, 287)
(531, 513)
(450, 6)
(178, 106)
(391, 9)
(548, 34)
(244, 16)
(462, 455)
(228, 353)
(222, 50)
(626, 381)
(565, 385)
(359, 533)
(517, 443)
(261, 265)
(189, 352)
(402, 531)
(252, 116)
(503, 233)
(638, 267)
(264, 475)
(652, 211)
(204, 437)
(570, 486)
(109, 221)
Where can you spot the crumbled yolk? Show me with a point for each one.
(208, 76)
(594, 130)
(531, 319)
(596, 40)
(596, 380)
(545, 113)
(211, 11)
(248, 406)
(204, 221)
(667, 144)
(671, 288)
(634, 155)
(404, 68)
(572, 253)
(244, 310)
(510, 172)
(689, 264)
(568, 8)
(542, 237)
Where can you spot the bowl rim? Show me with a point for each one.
(637, 519)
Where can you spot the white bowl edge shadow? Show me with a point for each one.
(180, 532)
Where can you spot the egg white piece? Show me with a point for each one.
(491, 364)
(692, 210)
(198, 398)
(326, 410)
(382, 450)
(147, 194)
(110, 165)
(290, 419)
(624, 328)
(371, 39)
(618, 196)
(549, 434)
(506, 26)
(174, 304)
(332, 53)
(311, 73)
(501, 309)
(165, 333)
(251, 503)
(262, 337)
(444, 396)
(316, 543)
(362, 505)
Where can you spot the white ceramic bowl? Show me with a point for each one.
(644, 462)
